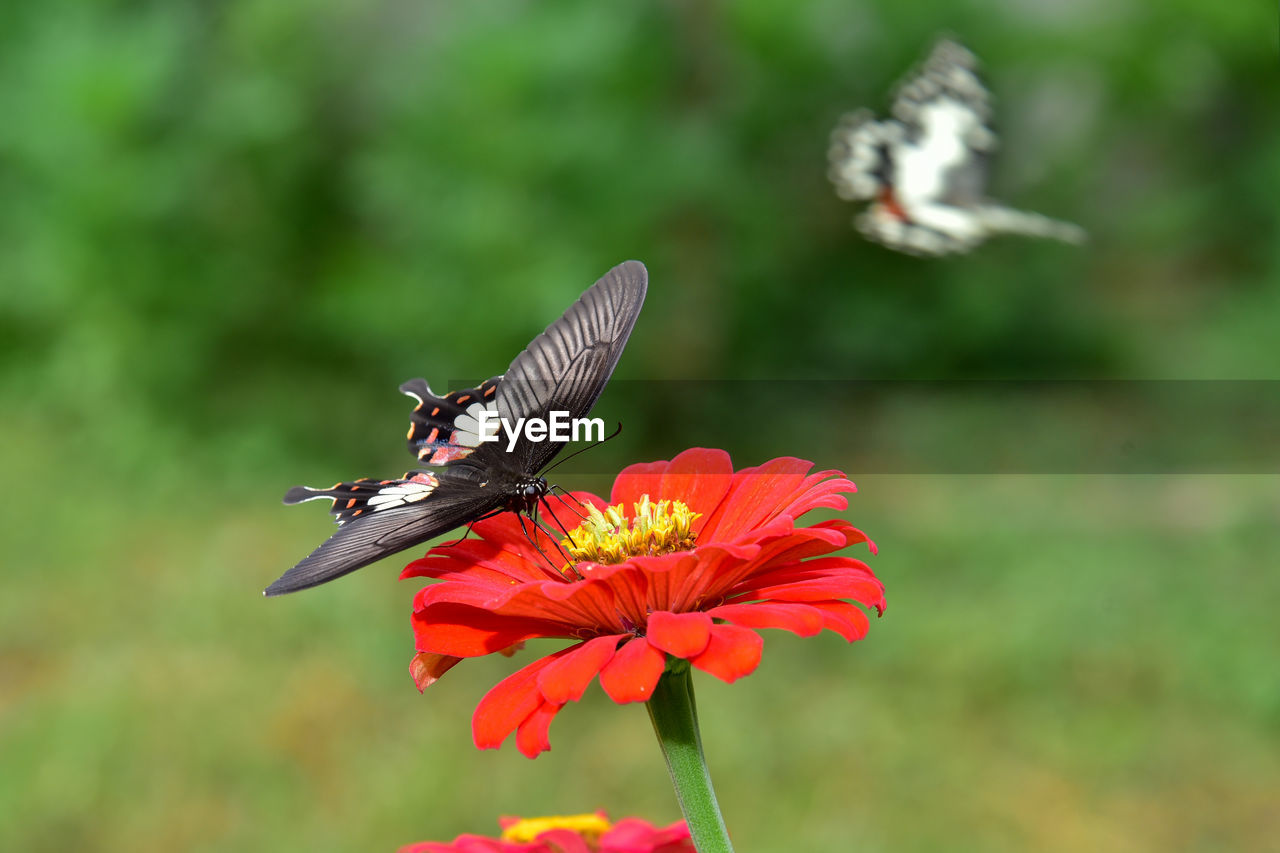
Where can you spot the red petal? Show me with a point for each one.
(778, 488)
(426, 668)
(856, 536)
(869, 592)
(820, 579)
(566, 511)
(501, 548)
(454, 558)
(568, 606)
(508, 704)
(481, 844)
(531, 737)
(633, 481)
(457, 629)
(700, 477)
(756, 495)
(732, 653)
(633, 835)
(567, 678)
(511, 650)
(633, 672)
(825, 568)
(799, 543)
(561, 841)
(844, 618)
(430, 847)
(684, 635)
(483, 622)
(799, 619)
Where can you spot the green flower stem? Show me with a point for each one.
(675, 721)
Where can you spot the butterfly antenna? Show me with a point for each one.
(611, 435)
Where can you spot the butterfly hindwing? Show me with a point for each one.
(354, 499)
(444, 429)
(859, 155)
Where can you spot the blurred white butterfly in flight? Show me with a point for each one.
(925, 170)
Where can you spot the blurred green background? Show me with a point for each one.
(229, 230)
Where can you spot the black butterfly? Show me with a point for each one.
(925, 169)
(564, 369)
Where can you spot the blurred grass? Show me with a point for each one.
(228, 231)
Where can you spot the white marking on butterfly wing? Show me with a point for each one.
(998, 219)
(408, 392)
(313, 497)
(403, 493)
(855, 155)
(466, 427)
(920, 168)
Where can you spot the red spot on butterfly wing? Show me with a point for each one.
(889, 202)
(448, 453)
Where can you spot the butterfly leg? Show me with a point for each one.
(567, 535)
(554, 568)
(566, 504)
(555, 539)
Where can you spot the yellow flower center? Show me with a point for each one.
(610, 537)
(589, 826)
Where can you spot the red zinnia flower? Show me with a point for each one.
(589, 833)
(708, 556)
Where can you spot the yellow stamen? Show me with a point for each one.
(589, 826)
(610, 537)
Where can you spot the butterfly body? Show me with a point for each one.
(563, 369)
(925, 170)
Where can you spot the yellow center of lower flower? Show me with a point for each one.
(654, 528)
(589, 826)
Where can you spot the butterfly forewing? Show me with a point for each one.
(566, 367)
(946, 88)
